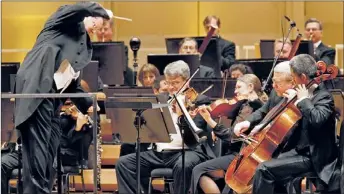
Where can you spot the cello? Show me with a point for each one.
(274, 134)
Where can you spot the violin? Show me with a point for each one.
(75, 113)
(224, 107)
(274, 134)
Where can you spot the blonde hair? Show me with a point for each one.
(257, 85)
(147, 68)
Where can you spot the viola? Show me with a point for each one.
(275, 132)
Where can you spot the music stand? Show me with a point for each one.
(112, 61)
(8, 76)
(147, 116)
(88, 75)
(160, 61)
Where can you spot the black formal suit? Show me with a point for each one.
(150, 160)
(227, 50)
(63, 37)
(325, 53)
(206, 72)
(311, 147)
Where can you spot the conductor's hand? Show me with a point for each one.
(241, 127)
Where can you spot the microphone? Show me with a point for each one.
(292, 23)
(135, 44)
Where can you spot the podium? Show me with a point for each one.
(146, 115)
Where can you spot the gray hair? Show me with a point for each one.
(283, 67)
(304, 64)
(177, 68)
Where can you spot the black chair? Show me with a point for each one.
(166, 174)
(311, 177)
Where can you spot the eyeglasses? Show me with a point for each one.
(173, 83)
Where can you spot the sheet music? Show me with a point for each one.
(187, 115)
(65, 75)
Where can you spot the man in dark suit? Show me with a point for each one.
(226, 48)
(313, 31)
(166, 155)
(64, 41)
(190, 46)
(312, 146)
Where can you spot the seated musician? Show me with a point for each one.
(76, 135)
(248, 87)
(147, 74)
(286, 48)
(227, 48)
(238, 70)
(190, 46)
(160, 86)
(312, 146)
(9, 162)
(166, 155)
(313, 32)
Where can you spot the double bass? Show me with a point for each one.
(274, 134)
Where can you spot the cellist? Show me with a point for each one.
(311, 148)
(248, 87)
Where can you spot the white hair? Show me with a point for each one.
(110, 13)
(177, 68)
(283, 67)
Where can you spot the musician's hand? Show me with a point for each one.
(256, 129)
(241, 127)
(302, 91)
(290, 93)
(204, 112)
(81, 121)
(90, 110)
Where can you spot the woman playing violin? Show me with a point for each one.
(248, 87)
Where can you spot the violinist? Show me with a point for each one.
(166, 155)
(248, 87)
(76, 135)
(160, 86)
(147, 74)
(238, 70)
(311, 147)
(190, 46)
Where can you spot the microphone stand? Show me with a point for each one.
(135, 65)
(275, 60)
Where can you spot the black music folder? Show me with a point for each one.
(201, 84)
(90, 75)
(211, 56)
(260, 67)
(162, 60)
(112, 61)
(267, 48)
(8, 75)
